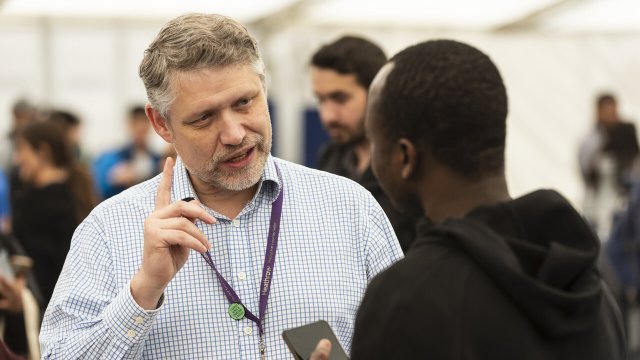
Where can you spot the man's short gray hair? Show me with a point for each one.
(193, 42)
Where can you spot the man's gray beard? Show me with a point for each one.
(247, 180)
(238, 180)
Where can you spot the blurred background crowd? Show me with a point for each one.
(49, 185)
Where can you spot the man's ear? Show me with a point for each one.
(409, 158)
(159, 123)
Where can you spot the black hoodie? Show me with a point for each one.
(514, 280)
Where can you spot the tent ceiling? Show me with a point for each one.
(488, 15)
(245, 10)
(450, 14)
(618, 16)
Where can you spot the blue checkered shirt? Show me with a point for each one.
(334, 238)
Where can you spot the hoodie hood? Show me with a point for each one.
(540, 252)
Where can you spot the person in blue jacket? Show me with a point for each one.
(118, 169)
(5, 206)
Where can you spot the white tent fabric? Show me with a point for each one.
(555, 56)
(434, 14)
(246, 11)
(586, 16)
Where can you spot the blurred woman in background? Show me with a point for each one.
(55, 196)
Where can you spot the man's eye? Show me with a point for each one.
(340, 98)
(202, 118)
(243, 102)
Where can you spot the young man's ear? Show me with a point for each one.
(409, 158)
(159, 123)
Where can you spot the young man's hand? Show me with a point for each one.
(322, 351)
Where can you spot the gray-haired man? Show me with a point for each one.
(266, 245)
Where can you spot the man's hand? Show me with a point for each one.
(11, 294)
(322, 351)
(169, 233)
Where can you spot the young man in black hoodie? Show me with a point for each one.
(488, 276)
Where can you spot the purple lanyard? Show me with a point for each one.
(267, 269)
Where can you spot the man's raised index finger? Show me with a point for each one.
(163, 195)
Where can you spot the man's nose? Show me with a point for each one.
(232, 131)
(328, 113)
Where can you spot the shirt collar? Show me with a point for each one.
(270, 176)
(269, 184)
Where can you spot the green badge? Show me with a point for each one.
(236, 311)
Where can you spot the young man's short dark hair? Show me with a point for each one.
(351, 55)
(463, 127)
(605, 98)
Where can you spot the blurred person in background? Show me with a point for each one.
(341, 73)
(23, 112)
(5, 206)
(72, 127)
(623, 261)
(20, 301)
(122, 168)
(606, 158)
(55, 197)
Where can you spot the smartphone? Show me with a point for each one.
(302, 341)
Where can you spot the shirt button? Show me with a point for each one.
(248, 330)
(139, 320)
(242, 275)
(235, 223)
(131, 333)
